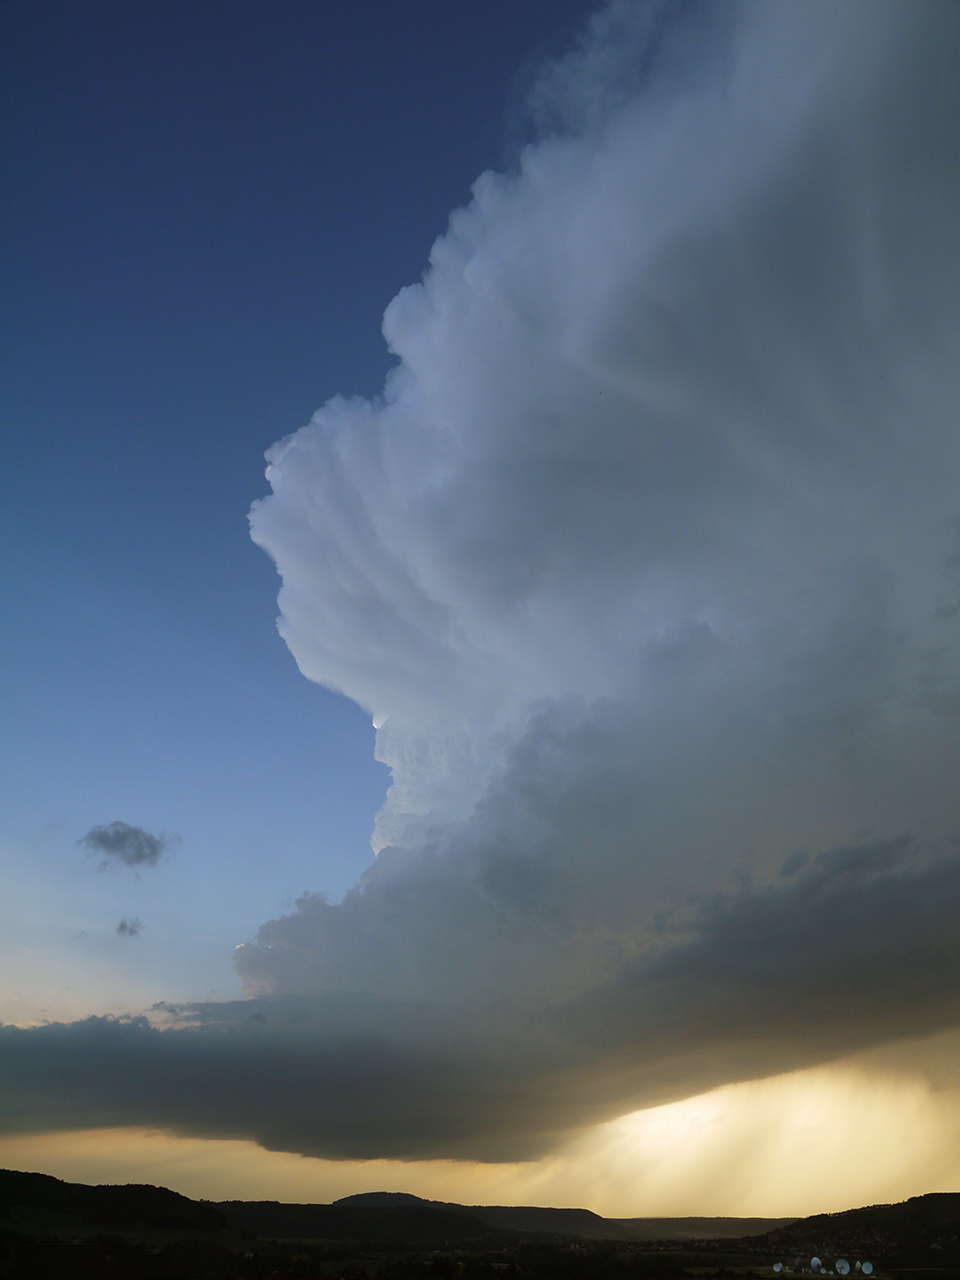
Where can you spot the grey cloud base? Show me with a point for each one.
(856, 949)
(646, 565)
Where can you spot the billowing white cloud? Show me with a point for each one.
(646, 565)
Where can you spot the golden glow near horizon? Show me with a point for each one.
(869, 1130)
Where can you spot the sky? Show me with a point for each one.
(589, 832)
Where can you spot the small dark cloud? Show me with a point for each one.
(119, 842)
(129, 928)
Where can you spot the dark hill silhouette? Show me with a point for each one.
(108, 1206)
(926, 1225)
(574, 1222)
(937, 1210)
(533, 1220)
(386, 1216)
(412, 1224)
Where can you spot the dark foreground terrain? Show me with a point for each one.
(71, 1231)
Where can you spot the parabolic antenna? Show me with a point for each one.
(814, 1264)
(842, 1267)
(868, 1268)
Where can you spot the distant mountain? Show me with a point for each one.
(412, 1224)
(696, 1228)
(568, 1222)
(582, 1223)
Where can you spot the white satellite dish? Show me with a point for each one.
(814, 1264)
(868, 1268)
(842, 1267)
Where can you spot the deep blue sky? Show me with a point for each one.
(208, 207)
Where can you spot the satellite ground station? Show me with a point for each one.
(815, 1267)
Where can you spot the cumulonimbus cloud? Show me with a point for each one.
(645, 562)
(646, 565)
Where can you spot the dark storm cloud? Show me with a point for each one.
(122, 843)
(645, 566)
(860, 947)
(323, 1077)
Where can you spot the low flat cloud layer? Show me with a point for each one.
(646, 565)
